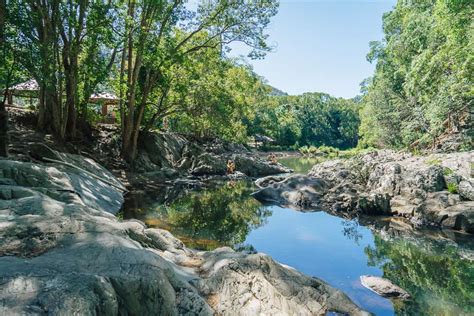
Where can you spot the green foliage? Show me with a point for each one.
(448, 171)
(422, 85)
(215, 100)
(310, 119)
(452, 188)
(225, 215)
(433, 162)
(436, 274)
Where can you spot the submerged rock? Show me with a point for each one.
(63, 252)
(383, 287)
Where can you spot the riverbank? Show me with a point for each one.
(435, 190)
(55, 218)
(162, 159)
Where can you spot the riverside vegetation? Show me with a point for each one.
(394, 162)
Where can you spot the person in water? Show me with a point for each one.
(230, 167)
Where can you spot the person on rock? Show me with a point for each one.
(230, 167)
(272, 159)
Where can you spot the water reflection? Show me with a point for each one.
(300, 164)
(226, 214)
(435, 267)
(210, 218)
(433, 272)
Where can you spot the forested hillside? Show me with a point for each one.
(310, 119)
(423, 83)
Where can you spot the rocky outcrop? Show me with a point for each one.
(433, 190)
(62, 252)
(296, 190)
(169, 150)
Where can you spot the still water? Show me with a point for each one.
(300, 164)
(435, 270)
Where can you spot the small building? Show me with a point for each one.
(30, 90)
(26, 90)
(108, 102)
(262, 140)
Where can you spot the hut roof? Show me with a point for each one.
(103, 96)
(263, 138)
(32, 86)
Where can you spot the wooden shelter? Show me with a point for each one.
(262, 140)
(30, 89)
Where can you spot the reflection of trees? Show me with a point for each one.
(440, 281)
(300, 164)
(226, 214)
(350, 229)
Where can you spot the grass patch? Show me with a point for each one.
(448, 171)
(434, 162)
(452, 188)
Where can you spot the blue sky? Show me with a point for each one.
(321, 45)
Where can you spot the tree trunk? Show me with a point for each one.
(3, 129)
(3, 110)
(47, 120)
(71, 74)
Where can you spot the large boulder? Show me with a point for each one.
(226, 283)
(209, 164)
(257, 167)
(295, 190)
(197, 157)
(466, 190)
(159, 150)
(97, 187)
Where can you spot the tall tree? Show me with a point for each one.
(3, 62)
(159, 34)
(422, 86)
(53, 38)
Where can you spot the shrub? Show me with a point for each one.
(452, 188)
(447, 171)
(433, 162)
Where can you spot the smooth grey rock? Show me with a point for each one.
(466, 190)
(197, 157)
(56, 178)
(295, 190)
(269, 282)
(383, 287)
(59, 255)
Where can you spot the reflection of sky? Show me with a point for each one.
(314, 243)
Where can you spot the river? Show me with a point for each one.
(435, 267)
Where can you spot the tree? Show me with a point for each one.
(422, 85)
(3, 63)
(312, 119)
(57, 39)
(212, 96)
(10, 71)
(163, 33)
